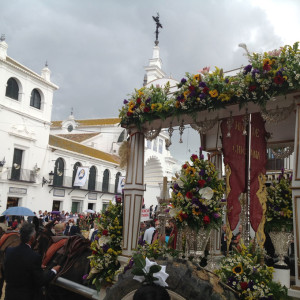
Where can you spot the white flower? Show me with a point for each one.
(174, 211)
(207, 193)
(103, 240)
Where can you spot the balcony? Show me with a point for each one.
(68, 183)
(21, 175)
(275, 164)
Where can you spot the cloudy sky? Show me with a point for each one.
(96, 49)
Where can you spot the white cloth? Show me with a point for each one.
(148, 234)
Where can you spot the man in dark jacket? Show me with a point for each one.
(22, 268)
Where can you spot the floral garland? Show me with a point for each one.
(267, 75)
(146, 104)
(243, 273)
(197, 195)
(106, 247)
(279, 214)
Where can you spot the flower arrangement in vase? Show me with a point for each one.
(279, 214)
(197, 195)
(244, 273)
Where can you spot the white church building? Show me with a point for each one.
(39, 157)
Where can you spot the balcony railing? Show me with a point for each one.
(275, 164)
(68, 183)
(21, 175)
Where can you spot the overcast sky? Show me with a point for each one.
(96, 49)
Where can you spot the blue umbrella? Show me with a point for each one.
(18, 211)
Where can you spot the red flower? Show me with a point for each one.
(105, 232)
(146, 109)
(244, 285)
(184, 166)
(184, 215)
(201, 183)
(205, 90)
(206, 220)
(138, 100)
(252, 88)
(191, 88)
(94, 252)
(129, 114)
(189, 195)
(266, 67)
(194, 157)
(278, 79)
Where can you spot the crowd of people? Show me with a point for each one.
(150, 233)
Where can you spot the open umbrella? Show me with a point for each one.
(90, 211)
(55, 212)
(18, 211)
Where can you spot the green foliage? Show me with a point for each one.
(107, 247)
(279, 214)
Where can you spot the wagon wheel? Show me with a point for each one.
(185, 281)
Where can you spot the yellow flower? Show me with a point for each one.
(267, 61)
(153, 106)
(196, 212)
(177, 104)
(186, 93)
(214, 93)
(197, 77)
(224, 97)
(140, 93)
(238, 269)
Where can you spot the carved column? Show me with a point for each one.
(133, 192)
(296, 198)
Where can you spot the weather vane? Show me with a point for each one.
(158, 25)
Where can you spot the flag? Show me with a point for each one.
(257, 166)
(81, 176)
(234, 150)
(121, 184)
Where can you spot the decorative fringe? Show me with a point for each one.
(124, 153)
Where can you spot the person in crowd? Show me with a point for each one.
(22, 268)
(14, 224)
(156, 232)
(236, 238)
(168, 231)
(95, 232)
(151, 211)
(3, 225)
(149, 232)
(151, 292)
(173, 235)
(59, 229)
(71, 228)
(224, 239)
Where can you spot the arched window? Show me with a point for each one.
(35, 99)
(105, 181)
(12, 89)
(92, 179)
(117, 182)
(59, 168)
(78, 164)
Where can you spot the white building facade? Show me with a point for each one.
(33, 147)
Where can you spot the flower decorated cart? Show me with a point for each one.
(196, 204)
(258, 103)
